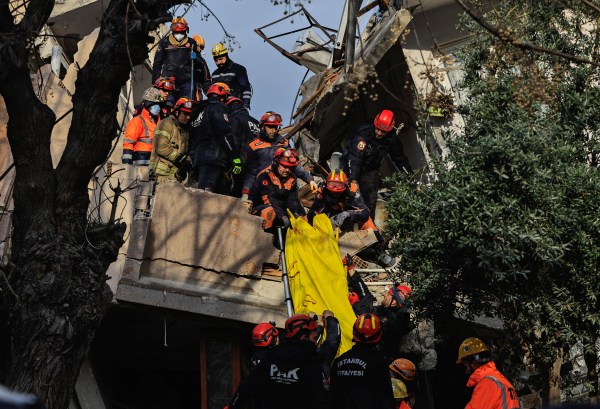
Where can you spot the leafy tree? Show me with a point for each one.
(54, 290)
(510, 225)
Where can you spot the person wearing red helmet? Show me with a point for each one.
(213, 144)
(275, 191)
(173, 58)
(169, 159)
(291, 376)
(265, 337)
(258, 153)
(359, 377)
(362, 157)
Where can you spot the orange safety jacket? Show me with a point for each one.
(137, 143)
(492, 389)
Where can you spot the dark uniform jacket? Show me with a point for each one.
(171, 60)
(211, 135)
(331, 205)
(244, 127)
(360, 380)
(365, 152)
(281, 194)
(258, 155)
(236, 77)
(289, 377)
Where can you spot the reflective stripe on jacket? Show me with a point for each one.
(170, 140)
(137, 141)
(492, 389)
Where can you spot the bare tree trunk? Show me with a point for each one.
(591, 361)
(551, 382)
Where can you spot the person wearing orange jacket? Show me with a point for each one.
(492, 389)
(137, 142)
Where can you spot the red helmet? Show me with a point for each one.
(271, 118)
(353, 298)
(286, 157)
(233, 100)
(298, 325)
(384, 120)
(179, 25)
(264, 335)
(184, 105)
(165, 83)
(337, 181)
(367, 329)
(403, 367)
(400, 293)
(219, 88)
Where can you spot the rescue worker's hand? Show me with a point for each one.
(354, 186)
(247, 202)
(181, 174)
(183, 162)
(237, 166)
(313, 186)
(348, 260)
(327, 314)
(339, 219)
(286, 221)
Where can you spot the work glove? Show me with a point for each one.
(237, 166)
(181, 174)
(286, 221)
(339, 219)
(313, 186)
(244, 197)
(183, 162)
(348, 260)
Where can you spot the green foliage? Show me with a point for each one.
(511, 225)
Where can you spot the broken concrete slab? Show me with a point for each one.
(355, 241)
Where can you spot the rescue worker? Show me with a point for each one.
(360, 377)
(173, 58)
(275, 191)
(344, 206)
(169, 159)
(362, 157)
(137, 142)
(245, 128)
(258, 154)
(212, 143)
(291, 376)
(232, 74)
(204, 79)
(265, 337)
(166, 86)
(403, 373)
(492, 389)
(393, 310)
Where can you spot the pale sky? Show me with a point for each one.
(274, 78)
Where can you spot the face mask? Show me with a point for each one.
(179, 36)
(154, 110)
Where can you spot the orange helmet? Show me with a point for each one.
(264, 335)
(200, 41)
(184, 105)
(298, 325)
(165, 83)
(367, 329)
(219, 88)
(384, 120)
(400, 293)
(403, 367)
(179, 25)
(286, 157)
(337, 181)
(271, 118)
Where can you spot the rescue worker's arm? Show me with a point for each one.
(220, 123)
(330, 345)
(203, 77)
(366, 300)
(356, 153)
(251, 169)
(162, 143)
(159, 59)
(244, 85)
(293, 203)
(398, 157)
(485, 395)
(359, 212)
(303, 174)
(132, 133)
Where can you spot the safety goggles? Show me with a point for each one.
(273, 118)
(336, 186)
(167, 86)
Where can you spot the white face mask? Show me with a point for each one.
(154, 110)
(179, 36)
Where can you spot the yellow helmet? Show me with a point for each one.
(471, 346)
(400, 391)
(219, 50)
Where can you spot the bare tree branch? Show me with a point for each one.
(38, 12)
(505, 37)
(592, 5)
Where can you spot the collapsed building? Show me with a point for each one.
(188, 286)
